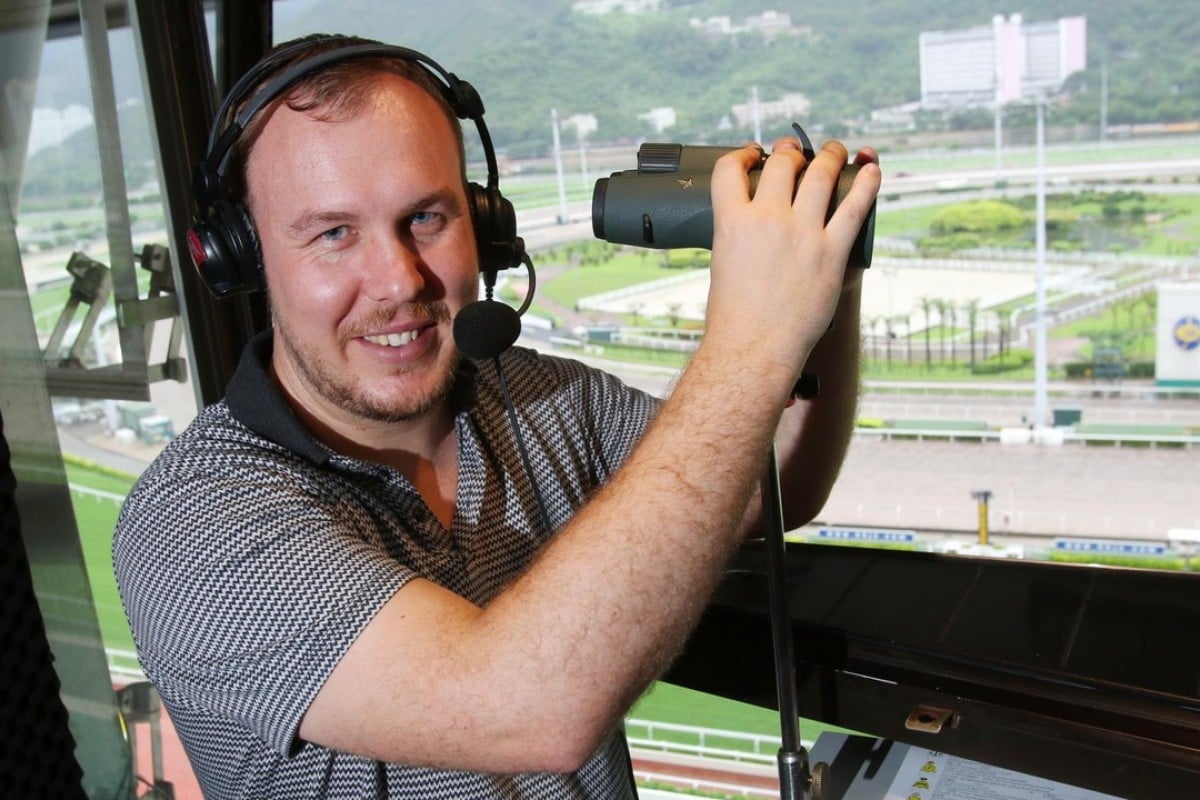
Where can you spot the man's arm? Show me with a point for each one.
(536, 679)
(813, 435)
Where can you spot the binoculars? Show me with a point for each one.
(665, 203)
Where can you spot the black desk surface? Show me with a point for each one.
(1085, 675)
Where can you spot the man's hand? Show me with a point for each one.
(777, 267)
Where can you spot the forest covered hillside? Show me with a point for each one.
(528, 56)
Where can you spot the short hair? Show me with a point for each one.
(335, 91)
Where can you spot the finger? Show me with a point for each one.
(852, 211)
(866, 155)
(777, 183)
(785, 143)
(731, 176)
(820, 179)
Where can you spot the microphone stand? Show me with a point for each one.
(796, 782)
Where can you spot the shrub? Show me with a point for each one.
(932, 245)
(977, 216)
(1015, 358)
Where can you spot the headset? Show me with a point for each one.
(223, 242)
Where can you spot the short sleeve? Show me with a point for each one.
(244, 590)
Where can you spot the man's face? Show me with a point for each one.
(369, 253)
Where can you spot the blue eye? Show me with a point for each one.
(336, 234)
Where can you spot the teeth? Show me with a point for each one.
(392, 339)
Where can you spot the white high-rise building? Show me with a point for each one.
(1001, 63)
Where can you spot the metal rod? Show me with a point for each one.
(94, 22)
(793, 760)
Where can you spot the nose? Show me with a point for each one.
(396, 271)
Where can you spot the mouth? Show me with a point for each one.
(394, 339)
(414, 329)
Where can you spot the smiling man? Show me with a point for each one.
(347, 581)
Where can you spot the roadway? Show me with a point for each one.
(1038, 491)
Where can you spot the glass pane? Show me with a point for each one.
(83, 228)
(947, 455)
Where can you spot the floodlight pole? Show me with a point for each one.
(1040, 403)
(563, 213)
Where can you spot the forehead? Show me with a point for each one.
(391, 118)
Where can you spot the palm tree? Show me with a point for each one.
(972, 321)
(952, 313)
(941, 306)
(868, 331)
(888, 335)
(907, 322)
(927, 306)
(673, 313)
(1001, 328)
(880, 321)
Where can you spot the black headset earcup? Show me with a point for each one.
(223, 243)
(224, 248)
(495, 224)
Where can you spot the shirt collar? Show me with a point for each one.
(255, 400)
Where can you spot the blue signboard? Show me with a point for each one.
(1111, 547)
(866, 535)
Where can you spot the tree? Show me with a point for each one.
(952, 315)
(1001, 329)
(868, 332)
(977, 216)
(906, 321)
(888, 335)
(635, 309)
(673, 310)
(927, 306)
(879, 321)
(972, 320)
(941, 306)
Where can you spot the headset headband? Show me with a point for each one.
(223, 242)
(461, 96)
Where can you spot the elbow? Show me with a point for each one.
(561, 746)
(563, 757)
(807, 496)
(804, 512)
(799, 509)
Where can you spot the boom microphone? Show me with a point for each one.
(486, 328)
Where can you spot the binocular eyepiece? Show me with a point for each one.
(666, 203)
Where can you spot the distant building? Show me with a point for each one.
(1002, 63)
(715, 26)
(768, 24)
(659, 118)
(583, 124)
(608, 6)
(901, 117)
(791, 106)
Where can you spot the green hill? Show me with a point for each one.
(527, 57)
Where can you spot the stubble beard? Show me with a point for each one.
(348, 392)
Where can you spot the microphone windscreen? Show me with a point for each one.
(486, 328)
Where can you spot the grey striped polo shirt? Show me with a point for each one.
(249, 558)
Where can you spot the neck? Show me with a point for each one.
(424, 449)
